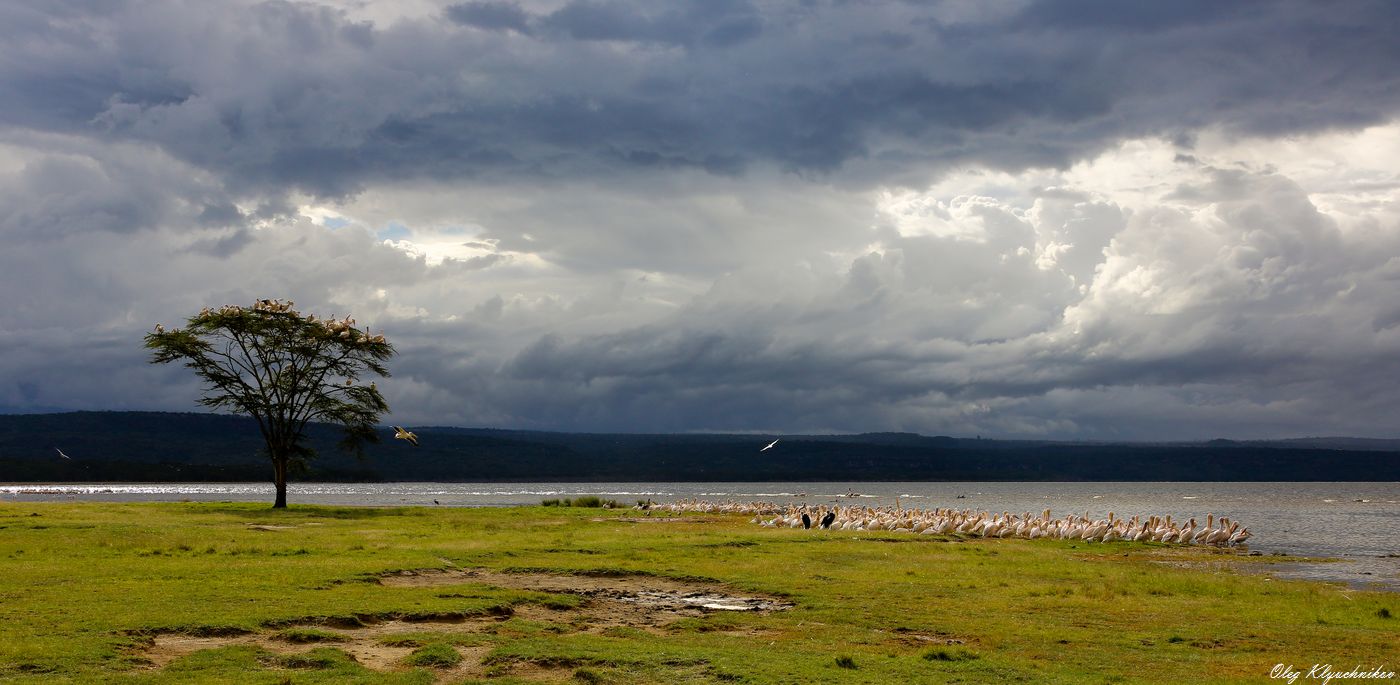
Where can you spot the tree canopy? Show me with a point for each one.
(285, 370)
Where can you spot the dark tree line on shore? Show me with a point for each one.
(149, 446)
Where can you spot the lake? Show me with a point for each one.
(1358, 523)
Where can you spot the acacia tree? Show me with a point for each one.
(285, 370)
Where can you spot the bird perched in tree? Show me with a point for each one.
(401, 434)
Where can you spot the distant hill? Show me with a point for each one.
(154, 446)
(1358, 444)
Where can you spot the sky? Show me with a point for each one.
(1079, 219)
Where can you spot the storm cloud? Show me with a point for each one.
(1070, 219)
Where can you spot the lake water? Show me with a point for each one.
(1358, 523)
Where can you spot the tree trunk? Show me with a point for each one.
(279, 479)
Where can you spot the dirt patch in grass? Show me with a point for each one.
(371, 646)
(167, 647)
(612, 601)
(916, 639)
(639, 594)
(472, 666)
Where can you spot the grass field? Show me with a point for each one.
(240, 593)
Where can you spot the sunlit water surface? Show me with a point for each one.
(1358, 523)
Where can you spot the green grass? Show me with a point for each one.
(87, 589)
(436, 655)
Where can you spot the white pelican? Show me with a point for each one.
(61, 454)
(401, 434)
(769, 445)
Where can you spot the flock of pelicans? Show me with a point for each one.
(1220, 532)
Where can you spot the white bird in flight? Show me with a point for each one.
(401, 434)
(61, 454)
(769, 445)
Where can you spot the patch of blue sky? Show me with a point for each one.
(334, 222)
(393, 231)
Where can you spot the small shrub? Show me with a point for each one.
(584, 501)
(1383, 613)
(846, 662)
(949, 655)
(436, 655)
(1175, 639)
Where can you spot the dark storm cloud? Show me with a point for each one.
(717, 23)
(629, 215)
(71, 194)
(288, 95)
(490, 15)
(688, 23)
(1094, 15)
(1272, 337)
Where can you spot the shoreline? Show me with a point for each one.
(1338, 520)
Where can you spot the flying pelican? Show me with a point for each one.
(401, 434)
(769, 445)
(61, 454)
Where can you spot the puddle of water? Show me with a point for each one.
(1358, 573)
